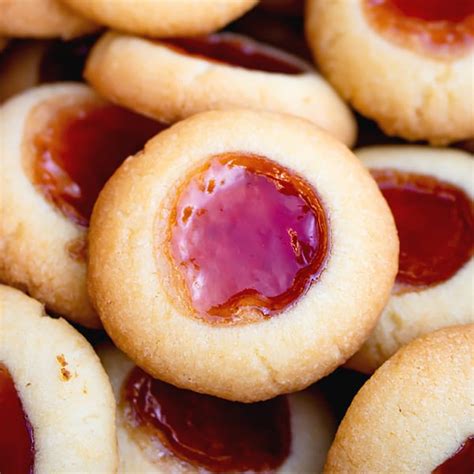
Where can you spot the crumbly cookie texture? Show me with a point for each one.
(42, 251)
(409, 94)
(415, 411)
(411, 314)
(64, 390)
(125, 70)
(42, 19)
(312, 429)
(159, 18)
(130, 276)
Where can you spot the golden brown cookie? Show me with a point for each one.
(158, 18)
(164, 429)
(42, 19)
(175, 78)
(58, 409)
(58, 145)
(416, 413)
(430, 192)
(405, 63)
(242, 254)
(31, 62)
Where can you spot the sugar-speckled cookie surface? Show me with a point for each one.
(64, 391)
(146, 298)
(42, 19)
(168, 82)
(415, 412)
(413, 76)
(431, 193)
(306, 416)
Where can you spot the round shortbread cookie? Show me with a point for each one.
(312, 427)
(418, 308)
(415, 412)
(64, 392)
(43, 238)
(42, 19)
(162, 18)
(391, 73)
(143, 288)
(167, 82)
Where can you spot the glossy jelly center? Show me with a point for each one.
(435, 225)
(249, 235)
(16, 434)
(80, 148)
(240, 51)
(65, 60)
(461, 462)
(439, 25)
(216, 434)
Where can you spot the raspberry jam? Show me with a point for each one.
(16, 434)
(237, 50)
(248, 238)
(461, 462)
(441, 28)
(435, 225)
(78, 150)
(209, 432)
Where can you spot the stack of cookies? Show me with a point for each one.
(177, 183)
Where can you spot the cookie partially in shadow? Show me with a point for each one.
(416, 413)
(430, 192)
(58, 145)
(58, 409)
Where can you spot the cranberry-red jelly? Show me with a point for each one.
(238, 51)
(80, 148)
(461, 462)
(216, 434)
(441, 26)
(247, 233)
(17, 453)
(435, 225)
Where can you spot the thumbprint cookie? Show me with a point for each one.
(161, 428)
(408, 64)
(58, 145)
(416, 413)
(160, 18)
(174, 78)
(241, 254)
(430, 193)
(29, 63)
(42, 19)
(56, 403)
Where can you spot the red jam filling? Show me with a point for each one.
(238, 51)
(216, 434)
(65, 60)
(435, 225)
(461, 462)
(441, 26)
(247, 234)
(80, 148)
(16, 434)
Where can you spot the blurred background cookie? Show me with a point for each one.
(42, 19)
(160, 18)
(58, 145)
(416, 413)
(172, 79)
(405, 63)
(57, 406)
(162, 428)
(217, 267)
(430, 192)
